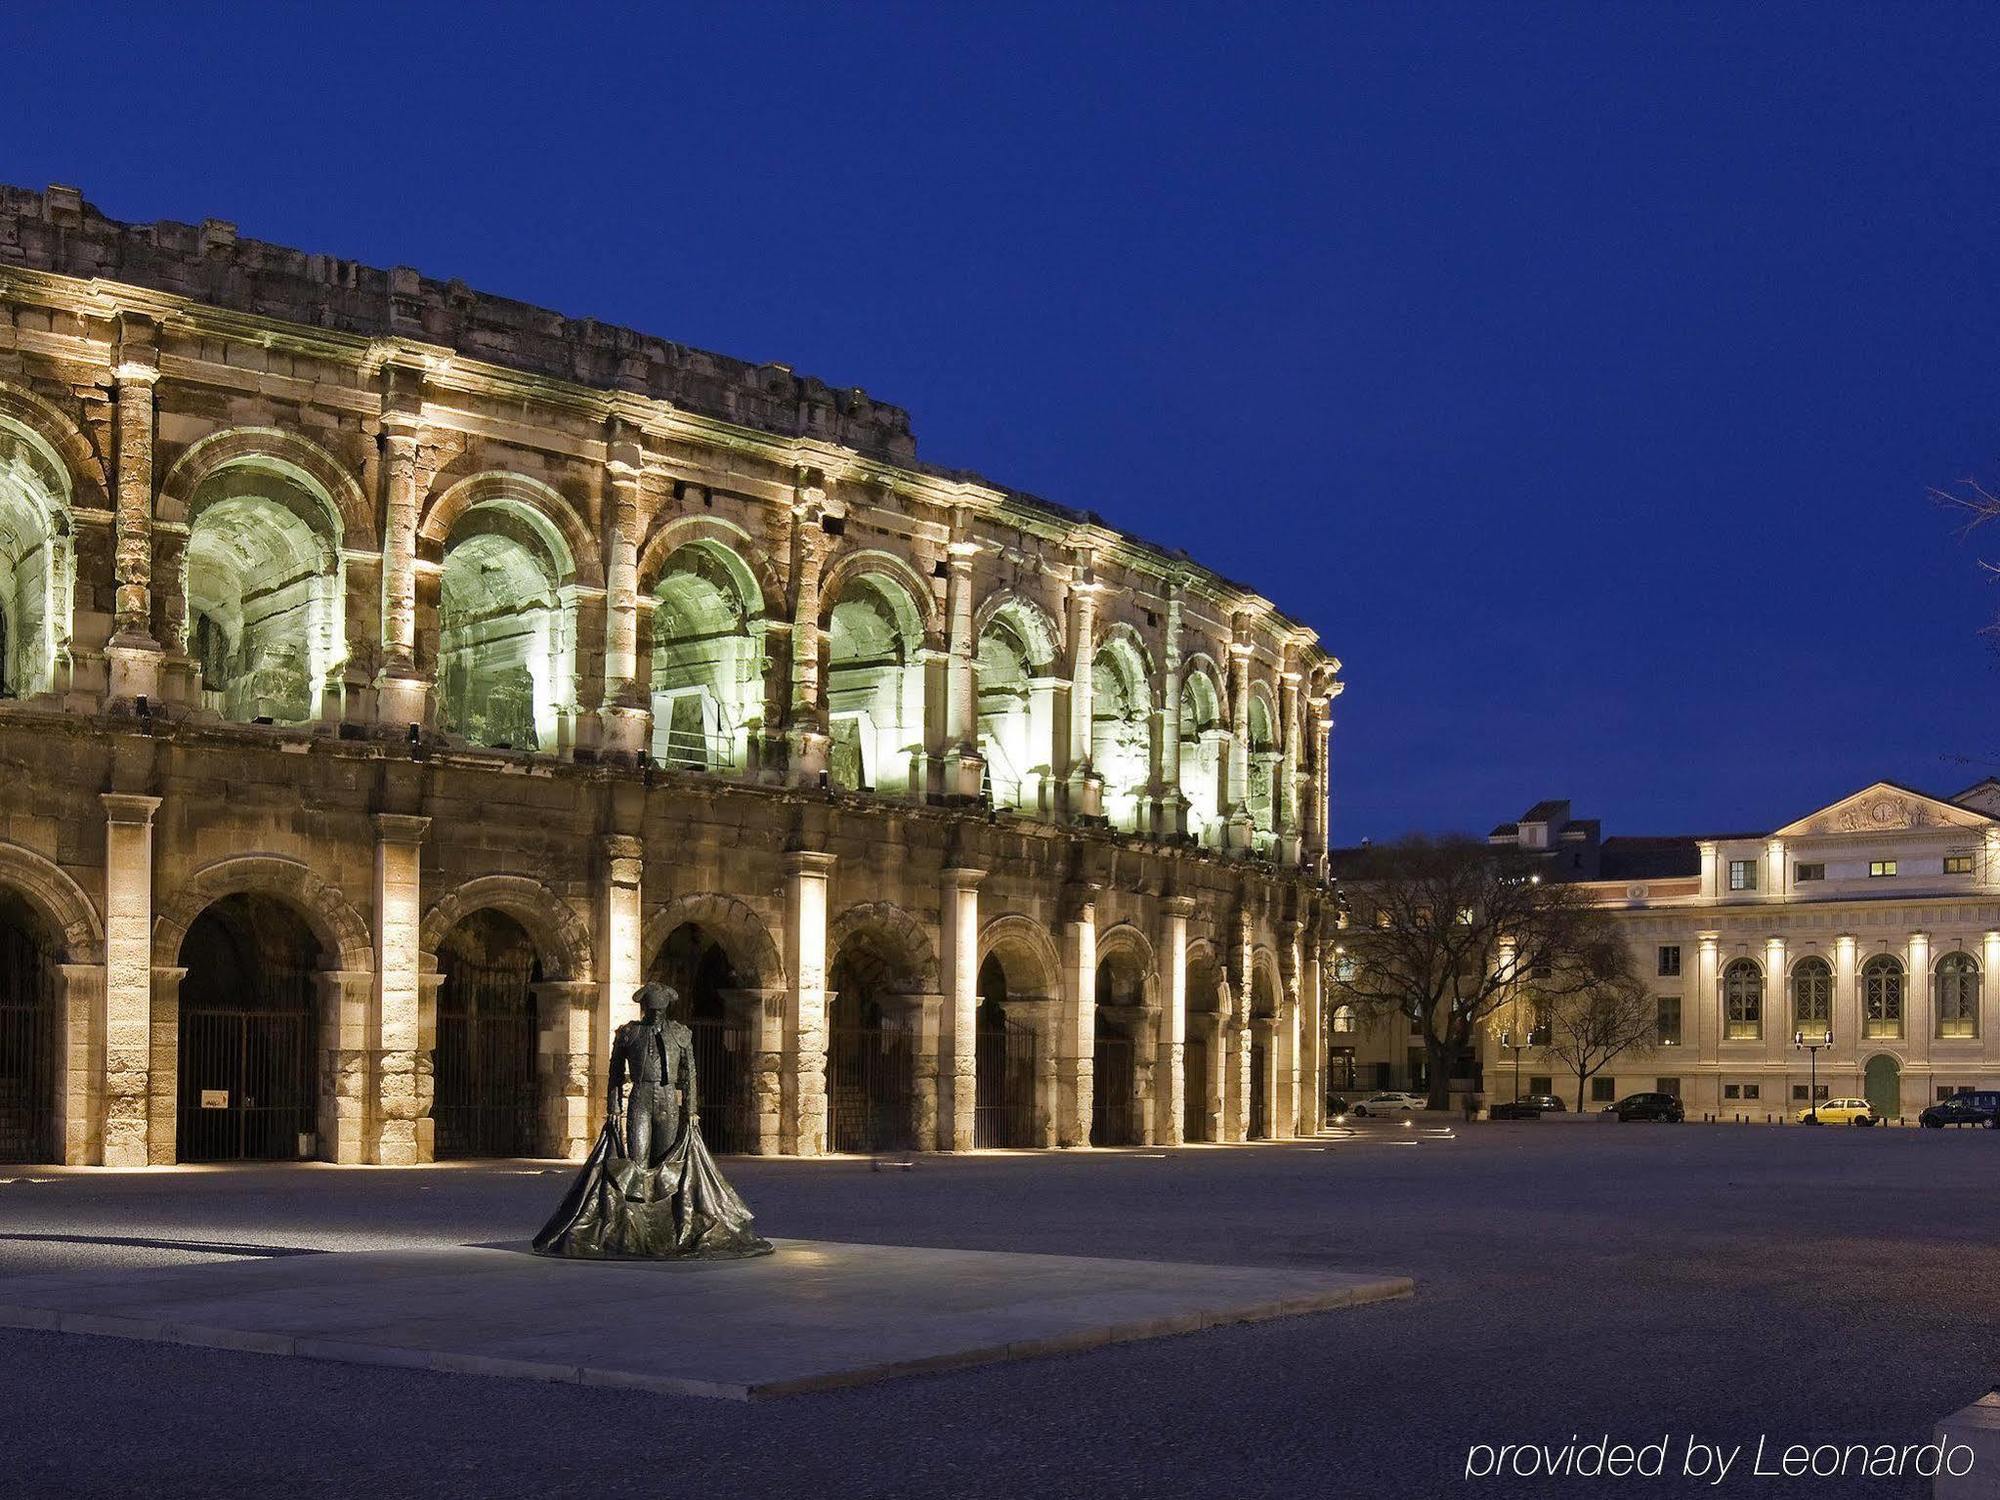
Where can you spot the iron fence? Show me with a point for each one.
(722, 1082)
(871, 1078)
(488, 1093)
(28, 1034)
(1004, 1114)
(1114, 1105)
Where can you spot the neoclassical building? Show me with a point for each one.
(393, 677)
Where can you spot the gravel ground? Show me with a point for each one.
(1641, 1281)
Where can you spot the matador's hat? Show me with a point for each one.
(657, 997)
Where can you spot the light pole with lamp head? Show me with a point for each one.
(1509, 1041)
(1812, 1051)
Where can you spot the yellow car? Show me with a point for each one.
(1837, 1112)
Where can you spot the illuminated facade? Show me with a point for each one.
(395, 677)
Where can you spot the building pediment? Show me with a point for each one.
(1883, 808)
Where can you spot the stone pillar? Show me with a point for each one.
(925, 1019)
(620, 964)
(1778, 1021)
(806, 735)
(1262, 1031)
(764, 1010)
(133, 654)
(1320, 814)
(1846, 1000)
(1284, 1056)
(1989, 987)
(1919, 1022)
(1171, 801)
(625, 716)
(1242, 827)
(1076, 1031)
(1170, 1076)
(396, 1102)
(402, 695)
(1285, 788)
(1312, 1036)
(958, 963)
(128, 975)
(348, 1121)
(964, 767)
(1047, 735)
(1085, 787)
(802, 1129)
(164, 1068)
(572, 1110)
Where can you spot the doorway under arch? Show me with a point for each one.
(30, 1031)
(249, 1033)
(488, 1094)
(871, 1050)
(1883, 1084)
(1003, 1115)
(697, 965)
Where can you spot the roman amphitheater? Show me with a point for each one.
(396, 677)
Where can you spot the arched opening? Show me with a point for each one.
(30, 1031)
(708, 659)
(1015, 683)
(263, 592)
(249, 1033)
(36, 562)
(1263, 1016)
(488, 1084)
(1882, 997)
(506, 628)
(1812, 997)
(1204, 758)
(698, 966)
(1956, 997)
(1005, 1069)
(1262, 790)
(1201, 1096)
(1121, 730)
(1883, 1084)
(1116, 1112)
(871, 1054)
(875, 687)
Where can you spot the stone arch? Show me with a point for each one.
(733, 923)
(561, 940)
(298, 457)
(669, 536)
(87, 483)
(906, 937)
(349, 946)
(519, 491)
(845, 567)
(1023, 935)
(1266, 972)
(57, 899)
(1126, 939)
(1039, 629)
(1261, 696)
(1121, 636)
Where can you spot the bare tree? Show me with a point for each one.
(1604, 1019)
(1975, 505)
(1443, 931)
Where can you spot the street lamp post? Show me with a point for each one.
(1507, 1040)
(1812, 1051)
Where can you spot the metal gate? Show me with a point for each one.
(1003, 1114)
(722, 1082)
(1194, 1089)
(488, 1098)
(27, 1049)
(1114, 1111)
(871, 1077)
(1260, 1064)
(247, 1080)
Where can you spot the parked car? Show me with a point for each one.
(1838, 1112)
(1387, 1104)
(1649, 1107)
(1963, 1109)
(1527, 1107)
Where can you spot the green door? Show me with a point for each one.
(1885, 1086)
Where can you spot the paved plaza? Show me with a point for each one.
(1724, 1282)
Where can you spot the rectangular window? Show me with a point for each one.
(1810, 872)
(1541, 1084)
(1879, 868)
(1667, 1086)
(1750, 1090)
(1603, 1090)
(1670, 960)
(1670, 1020)
(1732, 1091)
(1798, 1093)
(1958, 864)
(1743, 874)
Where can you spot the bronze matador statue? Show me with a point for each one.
(649, 1189)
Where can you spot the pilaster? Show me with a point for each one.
(958, 934)
(397, 1099)
(132, 653)
(1076, 1030)
(128, 976)
(802, 1130)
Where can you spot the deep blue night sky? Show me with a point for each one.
(1577, 372)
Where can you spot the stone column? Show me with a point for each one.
(395, 1103)
(1085, 787)
(1319, 815)
(1285, 816)
(1846, 1001)
(1170, 1075)
(572, 1110)
(924, 1016)
(348, 1118)
(958, 962)
(1236, 803)
(765, 1011)
(1284, 1057)
(964, 767)
(625, 716)
(806, 735)
(128, 975)
(1312, 1036)
(1235, 1125)
(1919, 1024)
(1050, 739)
(1777, 1009)
(164, 1068)
(132, 653)
(1170, 817)
(1989, 988)
(1262, 1031)
(401, 693)
(620, 964)
(1076, 1031)
(802, 1129)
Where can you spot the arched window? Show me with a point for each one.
(708, 659)
(875, 687)
(1343, 1018)
(37, 562)
(1016, 681)
(1957, 985)
(1261, 792)
(1882, 997)
(1121, 731)
(506, 617)
(1743, 1001)
(1812, 997)
(1204, 757)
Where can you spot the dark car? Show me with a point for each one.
(1963, 1109)
(1527, 1107)
(1649, 1107)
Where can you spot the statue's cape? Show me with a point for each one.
(617, 1209)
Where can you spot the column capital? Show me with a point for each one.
(1178, 906)
(964, 877)
(400, 828)
(808, 862)
(133, 808)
